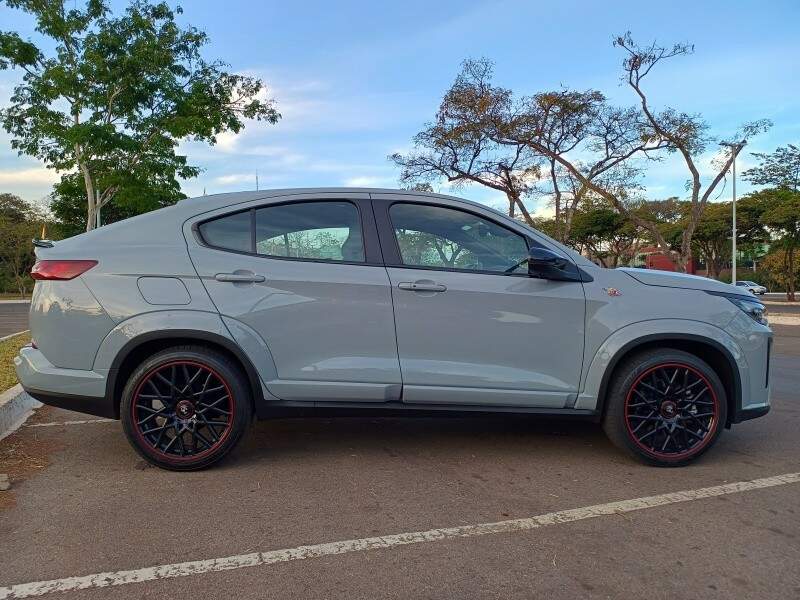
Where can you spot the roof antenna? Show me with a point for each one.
(256, 179)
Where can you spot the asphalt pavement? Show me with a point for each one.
(13, 317)
(291, 509)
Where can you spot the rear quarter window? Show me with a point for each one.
(231, 232)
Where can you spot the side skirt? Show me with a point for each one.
(287, 409)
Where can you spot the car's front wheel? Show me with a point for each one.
(665, 406)
(185, 408)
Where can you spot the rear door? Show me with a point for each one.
(471, 327)
(305, 274)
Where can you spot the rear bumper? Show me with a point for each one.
(746, 414)
(71, 389)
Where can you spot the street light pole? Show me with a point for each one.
(733, 249)
(735, 148)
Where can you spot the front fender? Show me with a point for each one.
(627, 338)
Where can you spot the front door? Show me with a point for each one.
(472, 326)
(306, 276)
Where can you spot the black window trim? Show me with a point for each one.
(386, 229)
(372, 250)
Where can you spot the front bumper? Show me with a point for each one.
(71, 389)
(755, 343)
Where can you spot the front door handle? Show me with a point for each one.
(422, 286)
(240, 277)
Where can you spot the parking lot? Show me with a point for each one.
(364, 508)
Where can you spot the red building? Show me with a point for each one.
(653, 258)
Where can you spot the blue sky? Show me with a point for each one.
(355, 80)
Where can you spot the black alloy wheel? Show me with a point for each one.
(185, 408)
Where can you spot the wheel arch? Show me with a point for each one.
(146, 344)
(708, 349)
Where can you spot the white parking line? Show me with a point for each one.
(55, 423)
(11, 335)
(228, 563)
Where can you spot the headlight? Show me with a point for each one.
(750, 306)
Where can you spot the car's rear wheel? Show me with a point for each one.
(185, 408)
(667, 407)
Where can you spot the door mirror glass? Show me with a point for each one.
(546, 264)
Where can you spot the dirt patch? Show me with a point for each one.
(24, 454)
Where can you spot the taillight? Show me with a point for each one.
(61, 270)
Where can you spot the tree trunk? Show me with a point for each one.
(715, 266)
(91, 208)
(512, 204)
(790, 287)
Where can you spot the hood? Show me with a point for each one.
(679, 280)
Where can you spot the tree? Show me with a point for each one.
(775, 263)
(615, 137)
(457, 145)
(712, 237)
(68, 203)
(782, 216)
(13, 207)
(117, 94)
(18, 226)
(779, 169)
(605, 233)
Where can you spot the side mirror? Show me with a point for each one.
(545, 264)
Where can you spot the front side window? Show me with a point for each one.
(439, 237)
(310, 230)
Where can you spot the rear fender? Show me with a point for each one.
(184, 325)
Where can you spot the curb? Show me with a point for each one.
(15, 408)
(11, 335)
(15, 301)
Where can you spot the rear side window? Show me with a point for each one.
(310, 230)
(231, 232)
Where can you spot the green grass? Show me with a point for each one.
(8, 350)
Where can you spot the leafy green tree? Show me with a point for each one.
(114, 97)
(68, 203)
(712, 236)
(13, 207)
(605, 233)
(782, 216)
(779, 169)
(774, 265)
(20, 222)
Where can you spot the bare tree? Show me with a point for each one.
(458, 146)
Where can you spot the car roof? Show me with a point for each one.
(214, 201)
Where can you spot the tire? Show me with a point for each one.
(185, 408)
(661, 423)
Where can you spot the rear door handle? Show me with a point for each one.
(240, 277)
(421, 286)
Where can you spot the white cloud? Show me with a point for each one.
(31, 176)
(367, 181)
(236, 178)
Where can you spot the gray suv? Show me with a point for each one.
(188, 321)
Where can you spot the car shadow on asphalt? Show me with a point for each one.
(275, 439)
